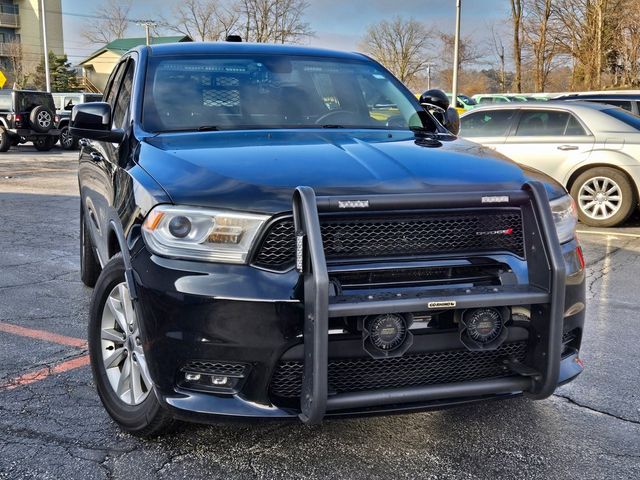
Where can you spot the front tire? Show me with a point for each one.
(604, 197)
(44, 144)
(118, 361)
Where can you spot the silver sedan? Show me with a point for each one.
(592, 149)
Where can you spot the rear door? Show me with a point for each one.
(550, 140)
(488, 127)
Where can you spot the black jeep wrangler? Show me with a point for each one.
(27, 116)
(294, 235)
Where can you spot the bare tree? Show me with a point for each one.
(541, 36)
(498, 49)
(13, 51)
(203, 20)
(468, 54)
(274, 21)
(112, 22)
(400, 45)
(516, 19)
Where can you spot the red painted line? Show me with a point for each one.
(42, 335)
(39, 375)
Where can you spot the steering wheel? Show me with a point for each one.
(334, 113)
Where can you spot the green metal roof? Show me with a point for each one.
(122, 45)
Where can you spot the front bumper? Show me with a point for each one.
(241, 314)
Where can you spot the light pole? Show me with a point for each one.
(429, 65)
(456, 50)
(47, 74)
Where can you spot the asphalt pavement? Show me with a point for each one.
(52, 424)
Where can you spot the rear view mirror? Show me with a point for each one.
(69, 106)
(93, 121)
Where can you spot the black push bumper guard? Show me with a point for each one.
(544, 292)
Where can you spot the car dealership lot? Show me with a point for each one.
(53, 426)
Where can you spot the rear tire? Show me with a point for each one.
(141, 415)
(89, 266)
(604, 197)
(5, 141)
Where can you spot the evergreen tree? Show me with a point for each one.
(63, 76)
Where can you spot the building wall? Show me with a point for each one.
(98, 69)
(30, 30)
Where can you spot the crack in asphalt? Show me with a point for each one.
(595, 410)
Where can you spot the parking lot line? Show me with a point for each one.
(41, 374)
(609, 234)
(42, 335)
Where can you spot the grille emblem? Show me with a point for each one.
(496, 199)
(506, 231)
(353, 203)
(442, 304)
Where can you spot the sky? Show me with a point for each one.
(338, 24)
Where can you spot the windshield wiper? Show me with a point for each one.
(332, 125)
(208, 128)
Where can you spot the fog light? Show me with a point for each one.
(192, 377)
(219, 380)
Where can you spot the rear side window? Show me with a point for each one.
(545, 123)
(487, 124)
(624, 116)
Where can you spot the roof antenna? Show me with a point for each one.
(233, 38)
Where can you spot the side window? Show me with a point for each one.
(113, 84)
(121, 108)
(487, 124)
(535, 123)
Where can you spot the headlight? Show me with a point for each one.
(565, 217)
(201, 234)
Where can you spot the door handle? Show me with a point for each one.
(568, 147)
(83, 142)
(96, 157)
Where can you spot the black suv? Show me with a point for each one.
(65, 101)
(27, 116)
(270, 243)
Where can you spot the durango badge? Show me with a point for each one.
(442, 304)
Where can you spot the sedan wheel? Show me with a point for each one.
(600, 198)
(604, 196)
(122, 354)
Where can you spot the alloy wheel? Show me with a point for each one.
(44, 119)
(66, 138)
(600, 198)
(121, 348)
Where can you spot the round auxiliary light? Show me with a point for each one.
(180, 226)
(484, 325)
(387, 332)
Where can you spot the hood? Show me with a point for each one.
(258, 171)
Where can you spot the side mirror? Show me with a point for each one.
(452, 120)
(93, 121)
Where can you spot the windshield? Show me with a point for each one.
(257, 92)
(624, 116)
